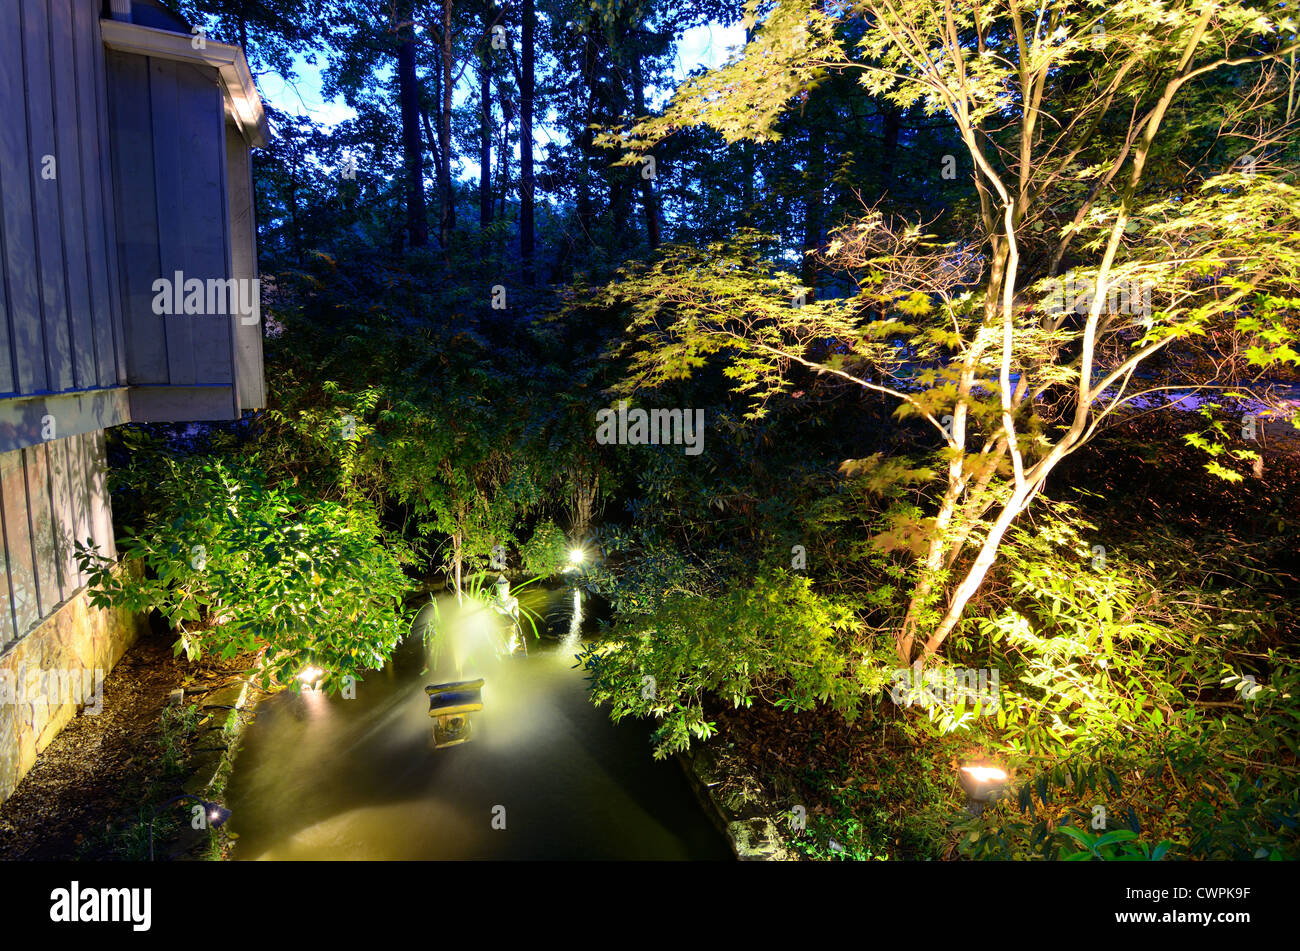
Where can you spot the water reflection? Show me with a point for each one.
(327, 778)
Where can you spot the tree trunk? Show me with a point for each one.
(583, 500)
(747, 167)
(815, 188)
(485, 123)
(649, 200)
(747, 183)
(975, 575)
(586, 205)
(893, 120)
(503, 168)
(417, 224)
(456, 564)
(526, 184)
(431, 137)
(446, 216)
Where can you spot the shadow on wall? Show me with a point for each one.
(52, 495)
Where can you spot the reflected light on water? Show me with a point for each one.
(575, 621)
(315, 702)
(323, 777)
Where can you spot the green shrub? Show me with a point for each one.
(547, 552)
(1137, 697)
(776, 638)
(235, 565)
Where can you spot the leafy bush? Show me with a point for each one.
(776, 638)
(234, 565)
(1137, 693)
(546, 552)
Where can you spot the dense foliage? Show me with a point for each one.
(944, 282)
(235, 565)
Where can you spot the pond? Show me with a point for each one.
(322, 777)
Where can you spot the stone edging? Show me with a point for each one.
(231, 709)
(737, 805)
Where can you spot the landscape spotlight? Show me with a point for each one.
(982, 782)
(576, 557)
(217, 814)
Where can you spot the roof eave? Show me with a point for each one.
(240, 92)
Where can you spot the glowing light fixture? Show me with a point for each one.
(576, 558)
(982, 782)
(217, 814)
(985, 774)
(311, 677)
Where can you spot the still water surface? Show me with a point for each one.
(326, 778)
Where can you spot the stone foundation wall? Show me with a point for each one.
(51, 673)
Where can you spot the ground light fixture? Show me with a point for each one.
(216, 814)
(982, 781)
(576, 559)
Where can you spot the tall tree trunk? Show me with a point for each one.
(431, 140)
(457, 563)
(526, 183)
(621, 183)
(893, 119)
(586, 205)
(503, 167)
(446, 216)
(618, 204)
(747, 183)
(649, 201)
(747, 167)
(408, 89)
(295, 231)
(485, 122)
(431, 137)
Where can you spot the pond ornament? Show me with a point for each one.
(506, 604)
(450, 705)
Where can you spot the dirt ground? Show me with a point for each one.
(92, 788)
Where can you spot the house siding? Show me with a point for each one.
(170, 182)
(52, 496)
(123, 159)
(58, 264)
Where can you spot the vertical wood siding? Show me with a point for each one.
(52, 495)
(249, 376)
(59, 306)
(168, 134)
